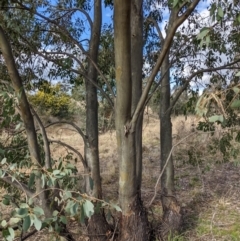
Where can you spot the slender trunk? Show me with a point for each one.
(42, 196)
(26, 116)
(97, 224)
(133, 223)
(136, 66)
(171, 208)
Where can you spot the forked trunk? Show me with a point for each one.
(171, 209)
(133, 221)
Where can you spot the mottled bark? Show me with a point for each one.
(171, 209)
(133, 222)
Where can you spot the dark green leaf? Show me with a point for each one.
(37, 223)
(31, 180)
(22, 212)
(88, 208)
(63, 219)
(235, 104)
(26, 223)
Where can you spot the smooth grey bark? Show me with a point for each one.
(136, 68)
(172, 218)
(26, 116)
(91, 145)
(97, 224)
(167, 181)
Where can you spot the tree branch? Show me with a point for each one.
(71, 124)
(187, 81)
(20, 186)
(47, 160)
(166, 46)
(154, 22)
(72, 149)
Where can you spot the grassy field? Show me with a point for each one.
(207, 188)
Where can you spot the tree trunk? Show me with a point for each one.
(97, 224)
(133, 223)
(171, 208)
(136, 66)
(42, 198)
(26, 116)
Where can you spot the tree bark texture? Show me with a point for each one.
(42, 198)
(136, 67)
(171, 209)
(97, 225)
(133, 222)
(26, 116)
(91, 148)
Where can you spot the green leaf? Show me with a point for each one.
(55, 172)
(117, 208)
(38, 211)
(74, 208)
(91, 183)
(82, 215)
(236, 90)
(30, 201)
(11, 232)
(63, 219)
(4, 160)
(55, 213)
(235, 104)
(18, 126)
(13, 221)
(43, 180)
(220, 12)
(37, 223)
(67, 195)
(22, 212)
(31, 180)
(26, 223)
(216, 118)
(175, 3)
(88, 208)
(203, 33)
(238, 74)
(237, 138)
(4, 223)
(6, 201)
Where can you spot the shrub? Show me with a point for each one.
(51, 100)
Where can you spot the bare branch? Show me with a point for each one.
(154, 22)
(74, 10)
(162, 171)
(68, 35)
(165, 48)
(71, 124)
(72, 149)
(45, 140)
(187, 81)
(20, 186)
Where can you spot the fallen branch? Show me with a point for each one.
(169, 156)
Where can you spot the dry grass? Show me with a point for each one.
(208, 192)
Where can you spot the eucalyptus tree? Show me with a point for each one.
(53, 32)
(53, 36)
(199, 46)
(132, 211)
